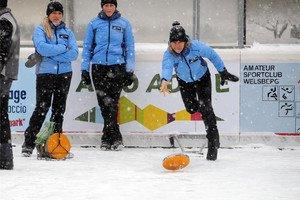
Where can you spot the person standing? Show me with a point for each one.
(109, 48)
(57, 45)
(193, 76)
(9, 65)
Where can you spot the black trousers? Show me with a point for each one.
(108, 82)
(50, 89)
(5, 134)
(196, 97)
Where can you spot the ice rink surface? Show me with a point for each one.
(248, 172)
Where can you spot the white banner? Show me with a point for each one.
(143, 109)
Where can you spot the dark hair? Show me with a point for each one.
(3, 3)
(103, 2)
(54, 6)
(177, 33)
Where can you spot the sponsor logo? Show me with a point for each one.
(17, 122)
(17, 95)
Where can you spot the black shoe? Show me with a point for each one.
(6, 156)
(212, 152)
(117, 145)
(26, 151)
(105, 146)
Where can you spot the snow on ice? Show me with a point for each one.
(248, 172)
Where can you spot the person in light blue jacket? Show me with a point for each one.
(56, 44)
(109, 48)
(185, 57)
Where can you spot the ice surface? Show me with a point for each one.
(249, 172)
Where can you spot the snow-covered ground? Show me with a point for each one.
(248, 172)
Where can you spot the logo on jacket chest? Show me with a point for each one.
(64, 36)
(118, 28)
(194, 59)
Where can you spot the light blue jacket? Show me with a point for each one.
(189, 65)
(109, 41)
(57, 52)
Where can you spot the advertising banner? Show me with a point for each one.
(22, 98)
(143, 109)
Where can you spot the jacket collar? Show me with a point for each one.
(103, 16)
(4, 10)
(62, 25)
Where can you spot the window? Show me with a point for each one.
(273, 22)
(29, 14)
(216, 22)
(151, 19)
(219, 22)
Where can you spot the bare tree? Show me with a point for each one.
(277, 16)
(277, 28)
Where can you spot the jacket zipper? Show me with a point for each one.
(108, 42)
(55, 31)
(189, 67)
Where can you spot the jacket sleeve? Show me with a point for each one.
(6, 30)
(208, 52)
(129, 49)
(72, 52)
(167, 66)
(87, 48)
(44, 48)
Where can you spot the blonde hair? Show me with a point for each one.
(47, 27)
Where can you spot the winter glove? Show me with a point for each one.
(85, 77)
(164, 87)
(129, 78)
(225, 75)
(33, 59)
